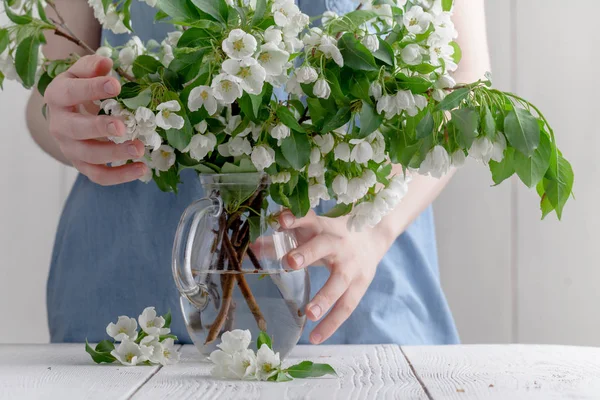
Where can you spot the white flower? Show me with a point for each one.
(125, 328)
(164, 353)
(378, 144)
(363, 215)
(445, 82)
(167, 118)
(149, 321)
(458, 158)
(130, 353)
(113, 20)
(328, 16)
(497, 153)
(222, 361)
(362, 151)
(201, 145)
(280, 132)
(281, 177)
(444, 26)
(436, 163)
(7, 67)
(239, 44)
(132, 49)
(439, 49)
(104, 51)
(235, 340)
(273, 35)
(340, 185)
(292, 44)
(284, 11)
(405, 100)
(243, 364)
(376, 90)
(342, 152)
(292, 86)
(173, 38)
(273, 59)
(439, 94)
(329, 48)
(151, 3)
(238, 146)
(145, 121)
(226, 88)
(151, 139)
(317, 192)
(262, 157)
(419, 103)
(306, 74)
(371, 42)
(412, 54)
(416, 20)
(267, 363)
(322, 89)
(325, 142)
(316, 170)
(201, 126)
(250, 73)
(481, 149)
(202, 96)
(315, 155)
(296, 25)
(313, 37)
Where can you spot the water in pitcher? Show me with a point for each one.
(280, 295)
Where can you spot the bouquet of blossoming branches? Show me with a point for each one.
(363, 91)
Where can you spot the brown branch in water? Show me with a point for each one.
(253, 258)
(230, 321)
(228, 282)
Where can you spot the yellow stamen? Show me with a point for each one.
(238, 45)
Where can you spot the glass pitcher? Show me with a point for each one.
(228, 265)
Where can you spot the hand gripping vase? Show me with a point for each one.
(227, 264)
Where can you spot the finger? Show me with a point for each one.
(69, 92)
(264, 248)
(337, 284)
(317, 248)
(95, 152)
(106, 176)
(81, 127)
(344, 307)
(309, 223)
(90, 67)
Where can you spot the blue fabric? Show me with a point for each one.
(112, 256)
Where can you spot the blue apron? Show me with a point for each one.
(112, 255)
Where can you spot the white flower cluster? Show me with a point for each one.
(235, 360)
(110, 19)
(150, 348)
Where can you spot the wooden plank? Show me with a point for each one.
(473, 223)
(366, 372)
(508, 372)
(64, 371)
(558, 261)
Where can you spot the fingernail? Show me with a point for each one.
(111, 88)
(298, 259)
(132, 150)
(288, 219)
(316, 338)
(112, 129)
(315, 311)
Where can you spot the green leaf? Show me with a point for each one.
(504, 169)
(287, 118)
(317, 111)
(17, 19)
(98, 357)
(522, 130)
(466, 121)
(385, 53)
(559, 190)
(43, 83)
(342, 117)
(169, 336)
(488, 123)
(127, 14)
(299, 203)
(4, 40)
(532, 169)
(351, 20)
(144, 65)
(167, 318)
(105, 346)
(263, 338)
(195, 37)
(545, 206)
(425, 68)
(308, 369)
(425, 126)
(453, 100)
(179, 9)
(141, 100)
(259, 12)
(296, 150)
(130, 90)
(180, 138)
(336, 90)
(217, 9)
(168, 180)
(356, 55)
(457, 56)
(339, 210)
(255, 228)
(359, 86)
(370, 121)
(281, 376)
(188, 64)
(447, 5)
(250, 105)
(26, 60)
(414, 84)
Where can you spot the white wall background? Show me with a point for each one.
(508, 276)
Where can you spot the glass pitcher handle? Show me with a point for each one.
(185, 237)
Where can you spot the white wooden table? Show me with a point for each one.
(366, 372)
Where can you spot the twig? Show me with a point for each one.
(254, 259)
(228, 283)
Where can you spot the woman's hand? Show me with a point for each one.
(351, 257)
(81, 133)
